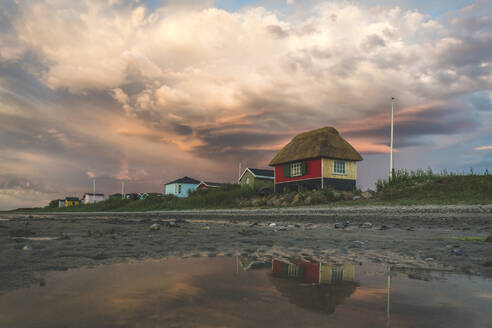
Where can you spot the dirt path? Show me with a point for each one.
(416, 237)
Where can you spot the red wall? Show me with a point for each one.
(313, 169)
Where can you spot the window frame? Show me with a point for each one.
(180, 188)
(296, 169)
(337, 168)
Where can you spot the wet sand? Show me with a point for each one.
(413, 237)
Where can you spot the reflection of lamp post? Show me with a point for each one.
(94, 190)
(388, 272)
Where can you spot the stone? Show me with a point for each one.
(154, 227)
(457, 252)
(366, 225)
(356, 197)
(366, 195)
(340, 225)
(384, 227)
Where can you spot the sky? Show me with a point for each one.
(149, 91)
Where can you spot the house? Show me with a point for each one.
(115, 196)
(90, 198)
(72, 201)
(142, 195)
(316, 159)
(207, 184)
(181, 187)
(131, 196)
(256, 178)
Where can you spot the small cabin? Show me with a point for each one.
(72, 201)
(315, 160)
(256, 178)
(91, 198)
(181, 187)
(208, 185)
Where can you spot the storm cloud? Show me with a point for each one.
(146, 92)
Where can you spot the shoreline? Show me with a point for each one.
(418, 237)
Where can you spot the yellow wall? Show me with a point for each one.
(350, 170)
(326, 272)
(71, 203)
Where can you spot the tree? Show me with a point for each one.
(53, 203)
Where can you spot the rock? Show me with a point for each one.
(297, 198)
(366, 195)
(276, 202)
(457, 252)
(429, 259)
(154, 227)
(347, 195)
(308, 200)
(366, 225)
(273, 224)
(356, 197)
(27, 248)
(340, 225)
(357, 244)
(384, 227)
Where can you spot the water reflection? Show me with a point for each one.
(316, 286)
(248, 292)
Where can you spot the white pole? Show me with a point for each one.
(239, 175)
(94, 190)
(122, 189)
(391, 142)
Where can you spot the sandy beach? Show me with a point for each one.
(423, 237)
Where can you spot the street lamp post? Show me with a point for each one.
(391, 139)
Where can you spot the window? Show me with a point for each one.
(179, 189)
(296, 169)
(247, 180)
(338, 167)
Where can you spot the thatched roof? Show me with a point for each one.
(324, 142)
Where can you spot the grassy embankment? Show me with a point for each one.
(406, 188)
(427, 187)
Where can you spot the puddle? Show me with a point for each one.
(240, 292)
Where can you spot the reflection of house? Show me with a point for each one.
(328, 287)
(72, 201)
(181, 187)
(316, 159)
(208, 184)
(61, 203)
(335, 273)
(313, 272)
(93, 198)
(251, 263)
(256, 178)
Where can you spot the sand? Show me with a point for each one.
(419, 237)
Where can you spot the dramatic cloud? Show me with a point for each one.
(147, 92)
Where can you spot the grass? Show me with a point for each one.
(405, 188)
(225, 197)
(472, 238)
(427, 187)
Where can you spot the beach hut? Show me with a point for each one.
(181, 187)
(256, 178)
(316, 159)
(208, 184)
